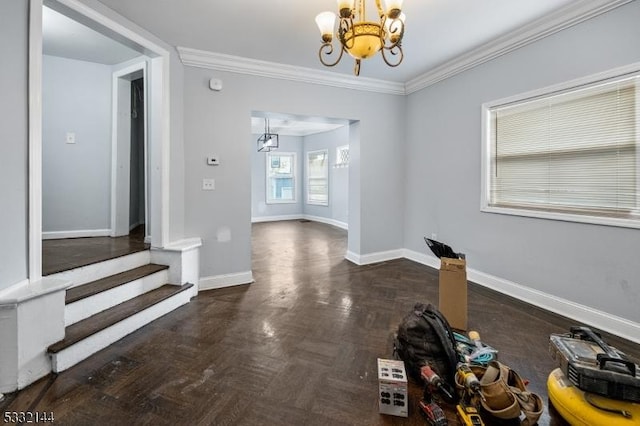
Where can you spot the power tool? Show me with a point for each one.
(431, 379)
(428, 407)
(467, 378)
(467, 409)
(433, 413)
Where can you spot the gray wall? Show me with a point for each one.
(76, 178)
(338, 177)
(219, 123)
(259, 207)
(14, 40)
(593, 265)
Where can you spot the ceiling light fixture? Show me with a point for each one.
(268, 141)
(361, 38)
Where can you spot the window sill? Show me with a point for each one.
(565, 217)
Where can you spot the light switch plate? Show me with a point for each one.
(213, 160)
(71, 137)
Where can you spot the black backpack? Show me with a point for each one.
(425, 337)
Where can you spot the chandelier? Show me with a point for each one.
(267, 141)
(361, 38)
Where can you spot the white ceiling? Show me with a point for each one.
(284, 31)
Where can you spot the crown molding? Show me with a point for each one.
(237, 64)
(563, 18)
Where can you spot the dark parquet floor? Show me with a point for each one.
(69, 253)
(297, 347)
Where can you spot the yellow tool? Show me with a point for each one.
(466, 377)
(467, 407)
(468, 415)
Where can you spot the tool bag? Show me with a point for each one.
(425, 337)
(505, 395)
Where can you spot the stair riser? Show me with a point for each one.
(84, 308)
(92, 344)
(104, 269)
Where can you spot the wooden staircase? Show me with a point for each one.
(126, 294)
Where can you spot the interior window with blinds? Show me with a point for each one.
(572, 152)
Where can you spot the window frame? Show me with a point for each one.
(486, 152)
(268, 177)
(308, 177)
(339, 150)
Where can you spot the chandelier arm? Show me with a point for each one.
(328, 48)
(346, 25)
(394, 49)
(396, 32)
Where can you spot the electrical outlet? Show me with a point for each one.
(71, 137)
(434, 236)
(208, 184)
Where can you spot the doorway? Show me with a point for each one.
(146, 87)
(129, 190)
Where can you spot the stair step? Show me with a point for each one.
(90, 289)
(105, 319)
(85, 274)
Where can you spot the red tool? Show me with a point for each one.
(433, 380)
(433, 413)
(429, 409)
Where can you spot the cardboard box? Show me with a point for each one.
(453, 291)
(392, 387)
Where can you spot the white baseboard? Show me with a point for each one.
(257, 219)
(583, 314)
(82, 233)
(367, 259)
(328, 221)
(226, 280)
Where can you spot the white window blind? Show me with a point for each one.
(318, 177)
(574, 151)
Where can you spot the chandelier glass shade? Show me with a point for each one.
(360, 38)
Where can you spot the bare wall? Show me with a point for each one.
(76, 178)
(14, 39)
